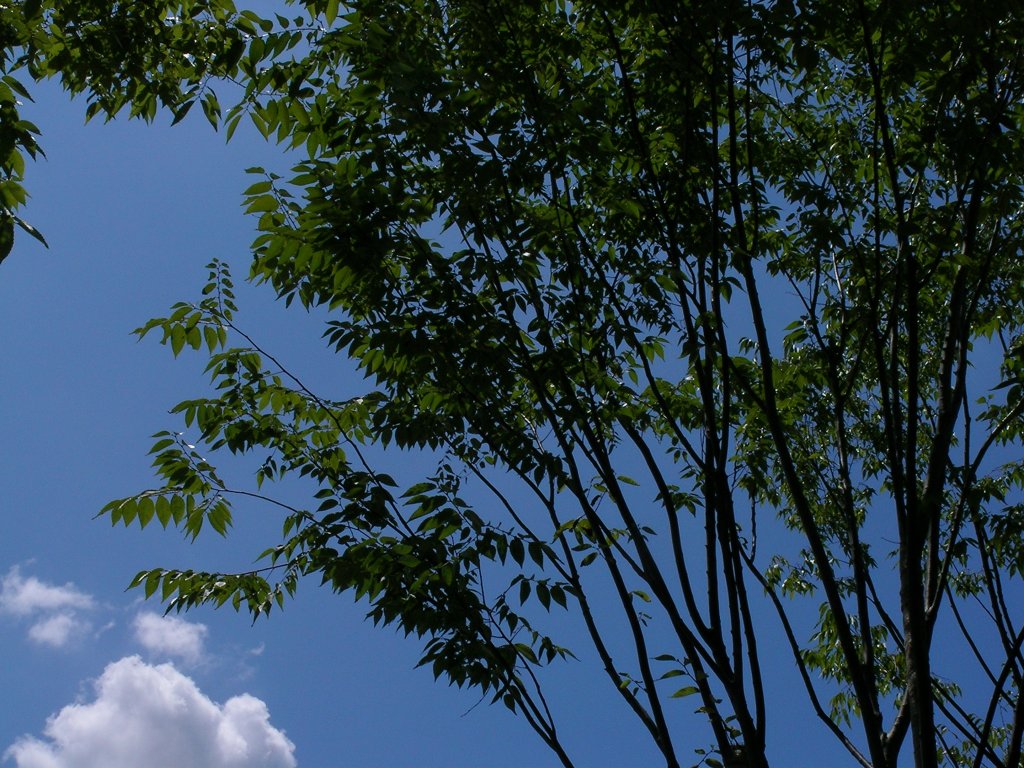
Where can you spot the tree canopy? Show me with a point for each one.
(705, 316)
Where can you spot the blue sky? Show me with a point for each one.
(132, 214)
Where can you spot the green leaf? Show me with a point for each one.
(524, 591)
(331, 11)
(558, 595)
(544, 595)
(211, 108)
(517, 550)
(6, 235)
(163, 510)
(688, 690)
(152, 582)
(145, 510)
(177, 337)
(182, 111)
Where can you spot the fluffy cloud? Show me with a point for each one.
(22, 596)
(53, 607)
(170, 636)
(57, 630)
(157, 717)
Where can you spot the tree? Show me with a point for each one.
(696, 308)
(17, 136)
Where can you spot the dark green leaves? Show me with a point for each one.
(6, 235)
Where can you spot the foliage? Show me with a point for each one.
(18, 28)
(695, 308)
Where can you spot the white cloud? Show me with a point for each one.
(157, 717)
(22, 596)
(170, 635)
(52, 607)
(57, 630)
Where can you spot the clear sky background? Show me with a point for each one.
(92, 676)
(132, 214)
